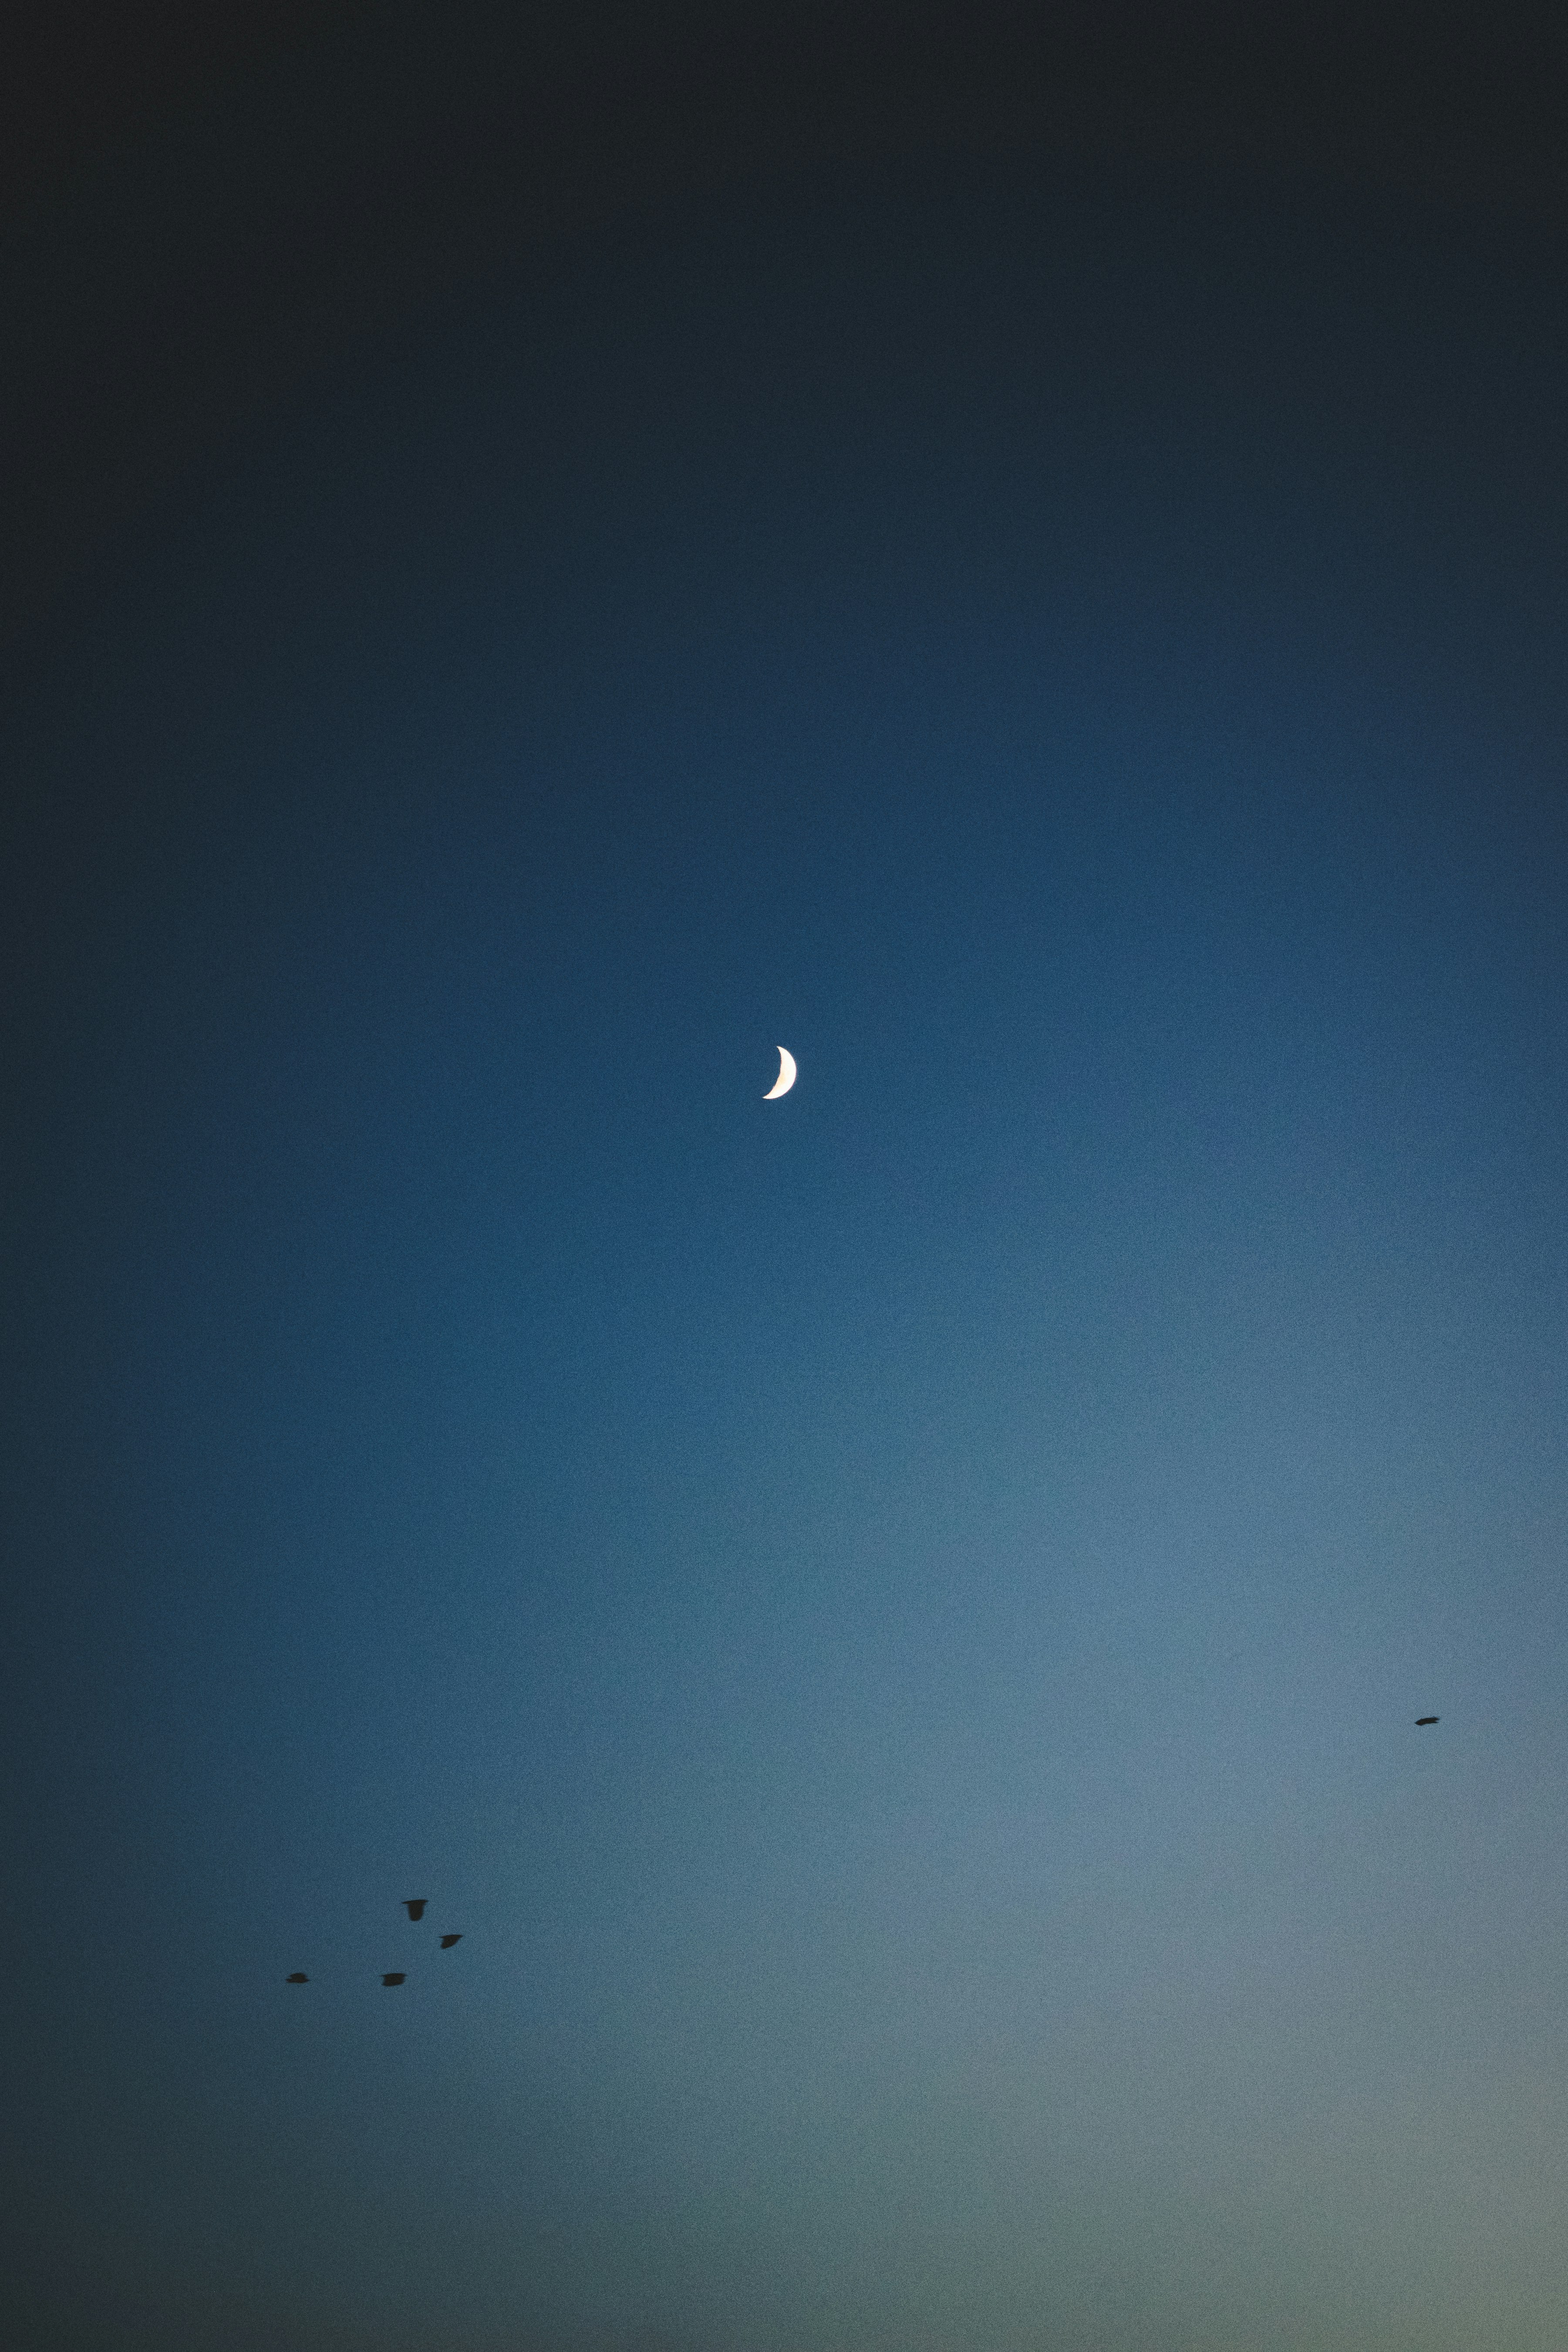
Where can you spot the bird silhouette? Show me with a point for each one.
(415, 1909)
(1426, 1718)
(397, 1977)
(448, 1942)
(299, 1977)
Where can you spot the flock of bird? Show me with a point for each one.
(414, 1906)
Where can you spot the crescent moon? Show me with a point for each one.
(785, 1079)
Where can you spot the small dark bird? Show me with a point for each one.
(397, 1977)
(448, 1942)
(417, 1910)
(299, 1977)
(1425, 1719)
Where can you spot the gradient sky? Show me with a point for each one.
(892, 1620)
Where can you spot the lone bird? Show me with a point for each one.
(1426, 1718)
(398, 1976)
(415, 1909)
(299, 1977)
(448, 1942)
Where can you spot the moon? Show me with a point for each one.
(785, 1079)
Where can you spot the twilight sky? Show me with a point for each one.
(893, 1620)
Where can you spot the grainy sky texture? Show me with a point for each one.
(1023, 560)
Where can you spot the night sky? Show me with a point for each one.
(1023, 558)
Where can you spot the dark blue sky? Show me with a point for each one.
(892, 1620)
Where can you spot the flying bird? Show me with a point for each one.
(299, 1977)
(398, 1976)
(415, 1909)
(1426, 1718)
(448, 1942)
